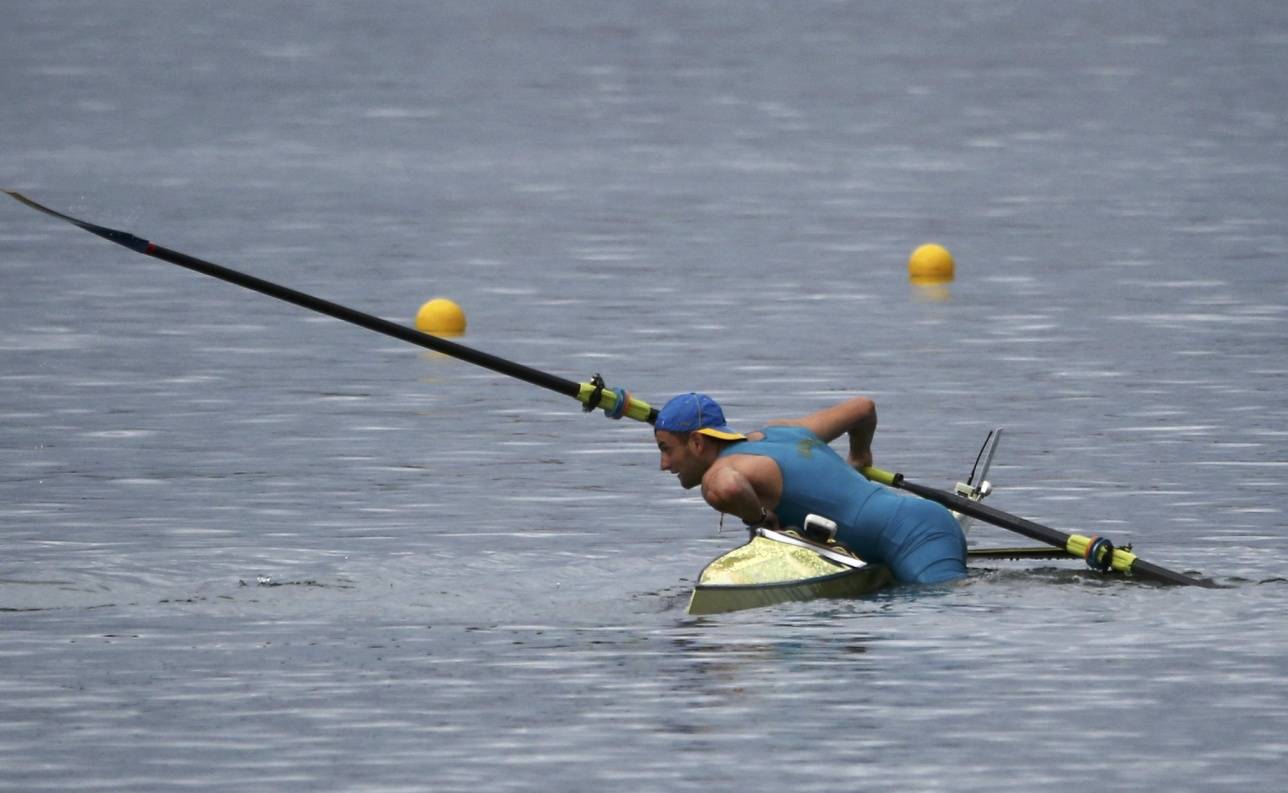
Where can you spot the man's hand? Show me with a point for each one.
(769, 521)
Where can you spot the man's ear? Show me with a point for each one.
(701, 442)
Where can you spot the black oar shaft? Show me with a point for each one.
(1032, 530)
(997, 517)
(304, 300)
(469, 354)
(1071, 543)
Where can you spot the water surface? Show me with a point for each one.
(246, 547)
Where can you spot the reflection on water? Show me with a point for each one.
(932, 290)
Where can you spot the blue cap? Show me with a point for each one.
(695, 413)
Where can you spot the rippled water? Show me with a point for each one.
(245, 547)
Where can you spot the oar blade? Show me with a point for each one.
(136, 244)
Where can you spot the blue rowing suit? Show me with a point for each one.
(918, 540)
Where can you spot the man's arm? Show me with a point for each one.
(744, 488)
(856, 417)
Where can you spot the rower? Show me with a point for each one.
(782, 473)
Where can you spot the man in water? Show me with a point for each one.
(778, 475)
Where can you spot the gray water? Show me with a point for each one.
(249, 548)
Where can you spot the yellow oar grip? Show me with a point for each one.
(637, 409)
(1078, 545)
(878, 475)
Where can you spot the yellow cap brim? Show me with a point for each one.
(721, 434)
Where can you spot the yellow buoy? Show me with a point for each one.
(930, 263)
(441, 317)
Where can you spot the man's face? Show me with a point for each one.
(680, 457)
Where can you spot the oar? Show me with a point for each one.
(1036, 552)
(1099, 552)
(591, 395)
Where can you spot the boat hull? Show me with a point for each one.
(781, 568)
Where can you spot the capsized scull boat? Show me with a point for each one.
(782, 566)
